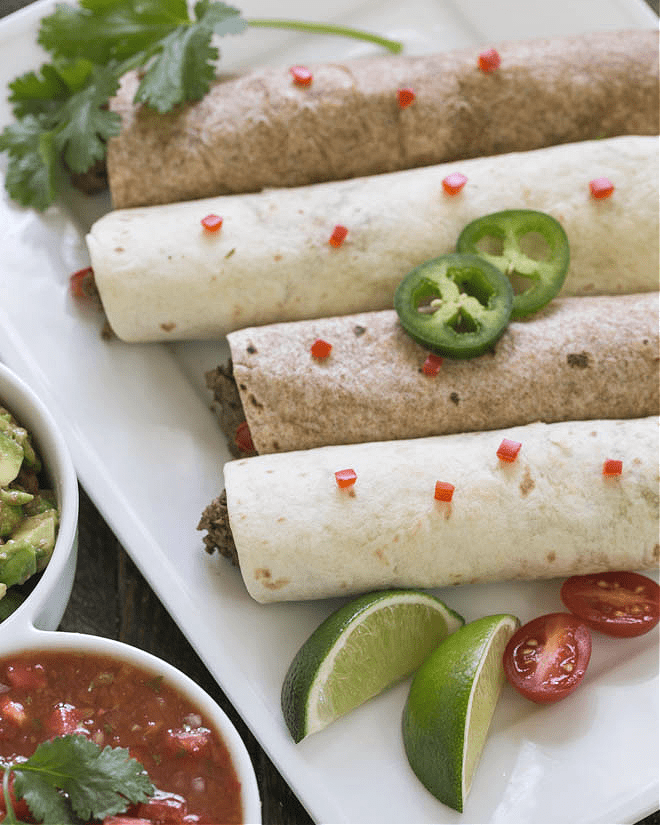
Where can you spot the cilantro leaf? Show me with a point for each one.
(45, 802)
(85, 122)
(34, 173)
(34, 93)
(99, 783)
(73, 127)
(222, 18)
(184, 68)
(102, 30)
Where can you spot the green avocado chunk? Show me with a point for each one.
(10, 427)
(18, 561)
(38, 532)
(11, 459)
(10, 518)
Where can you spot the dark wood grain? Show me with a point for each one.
(111, 598)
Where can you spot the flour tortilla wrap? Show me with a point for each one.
(162, 277)
(579, 358)
(549, 513)
(261, 130)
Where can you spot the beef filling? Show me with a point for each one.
(215, 520)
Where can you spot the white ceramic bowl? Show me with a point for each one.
(45, 605)
(30, 639)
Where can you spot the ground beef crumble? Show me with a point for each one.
(215, 520)
(227, 404)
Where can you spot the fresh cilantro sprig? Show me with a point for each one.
(71, 775)
(61, 111)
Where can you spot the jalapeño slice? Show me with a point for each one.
(530, 247)
(455, 305)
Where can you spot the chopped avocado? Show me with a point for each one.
(10, 518)
(18, 561)
(10, 427)
(11, 459)
(39, 532)
(29, 515)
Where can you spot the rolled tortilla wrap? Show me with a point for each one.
(261, 130)
(551, 512)
(579, 358)
(163, 277)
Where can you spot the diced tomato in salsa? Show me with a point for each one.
(163, 807)
(63, 719)
(12, 711)
(26, 676)
(189, 741)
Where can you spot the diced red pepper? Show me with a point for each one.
(26, 677)
(163, 808)
(301, 75)
(601, 188)
(433, 364)
(489, 61)
(405, 97)
(338, 236)
(453, 183)
(79, 283)
(243, 438)
(345, 478)
(444, 491)
(508, 450)
(320, 349)
(612, 467)
(212, 223)
(191, 741)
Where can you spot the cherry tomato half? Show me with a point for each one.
(545, 659)
(616, 603)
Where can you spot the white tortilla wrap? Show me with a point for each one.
(163, 277)
(550, 513)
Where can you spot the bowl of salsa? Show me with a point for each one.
(81, 701)
(38, 511)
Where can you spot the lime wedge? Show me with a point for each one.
(358, 651)
(450, 706)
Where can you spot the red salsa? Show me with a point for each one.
(48, 694)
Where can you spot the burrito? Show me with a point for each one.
(262, 130)
(579, 358)
(553, 511)
(163, 277)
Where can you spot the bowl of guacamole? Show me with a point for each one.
(38, 510)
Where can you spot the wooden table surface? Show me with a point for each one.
(111, 598)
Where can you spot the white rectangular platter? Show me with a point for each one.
(149, 452)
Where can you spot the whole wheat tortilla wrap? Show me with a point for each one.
(579, 358)
(551, 512)
(262, 130)
(163, 277)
